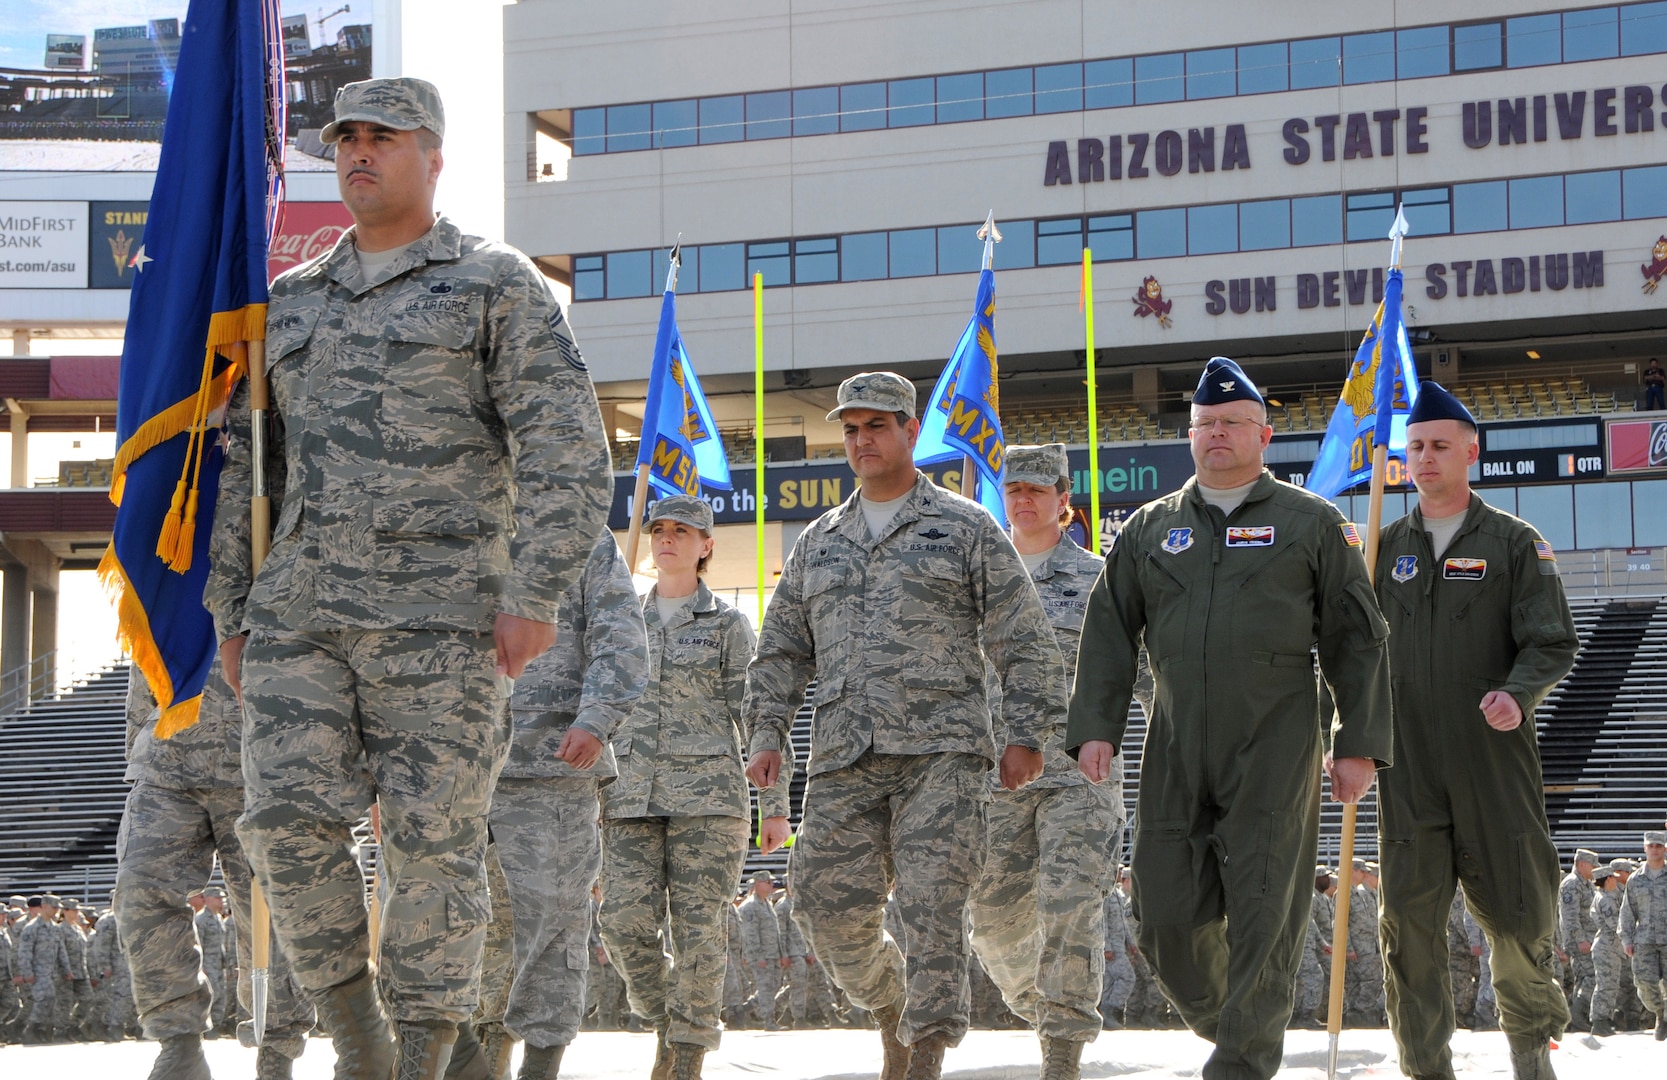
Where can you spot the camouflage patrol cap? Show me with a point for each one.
(402, 104)
(17, 900)
(1371, 868)
(50, 900)
(762, 875)
(1602, 872)
(1655, 836)
(693, 512)
(885, 391)
(214, 892)
(1587, 855)
(1358, 863)
(193, 893)
(1044, 466)
(1622, 866)
(71, 904)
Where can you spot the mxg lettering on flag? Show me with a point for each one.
(964, 417)
(680, 446)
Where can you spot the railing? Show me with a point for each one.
(1614, 572)
(28, 683)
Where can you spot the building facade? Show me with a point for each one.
(1233, 168)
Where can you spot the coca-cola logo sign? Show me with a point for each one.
(307, 231)
(1658, 443)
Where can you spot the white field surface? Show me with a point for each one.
(855, 1055)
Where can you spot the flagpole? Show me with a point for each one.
(633, 535)
(1093, 404)
(260, 542)
(1345, 849)
(991, 237)
(758, 433)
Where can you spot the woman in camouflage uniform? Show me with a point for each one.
(674, 828)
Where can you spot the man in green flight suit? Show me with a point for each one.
(1231, 582)
(1479, 633)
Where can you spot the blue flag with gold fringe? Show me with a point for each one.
(680, 445)
(1380, 391)
(199, 296)
(963, 417)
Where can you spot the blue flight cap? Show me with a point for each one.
(1435, 403)
(1225, 381)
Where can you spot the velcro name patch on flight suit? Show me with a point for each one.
(1458, 569)
(1250, 536)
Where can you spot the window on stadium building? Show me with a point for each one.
(1390, 55)
(1527, 202)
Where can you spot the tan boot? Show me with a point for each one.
(926, 1057)
(662, 1055)
(896, 1066)
(424, 1051)
(499, 1047)
(359, 1029)
(686, 1059)
(1061, 1059)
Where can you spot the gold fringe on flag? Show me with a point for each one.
(228, 334)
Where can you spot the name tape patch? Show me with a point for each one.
(1250, 536)
(1464, 569)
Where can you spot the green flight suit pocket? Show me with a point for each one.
(1538, 620)
(1164, 857)
(1362, 615)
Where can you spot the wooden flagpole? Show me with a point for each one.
(260, 542)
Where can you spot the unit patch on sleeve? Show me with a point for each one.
(1250, 536)
(1464, 569)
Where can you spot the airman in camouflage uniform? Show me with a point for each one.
(1311, 968)
(1607, 957)
(738, 984)
(761, 945)
(895, 602)
(1119, 979)
(1038, 919)
(1575, 926)
(544, 810)
(108, 960)
(1464, 947)
(9, 1006)
(180, 815)
(1363, 982)
(211, 938)
(796, 993)
(43, 965)
(74, 1005)
(675, 820)
(443, 476)
(1643, 928)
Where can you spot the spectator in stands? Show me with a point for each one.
(1655, 385)
(1472, 595)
